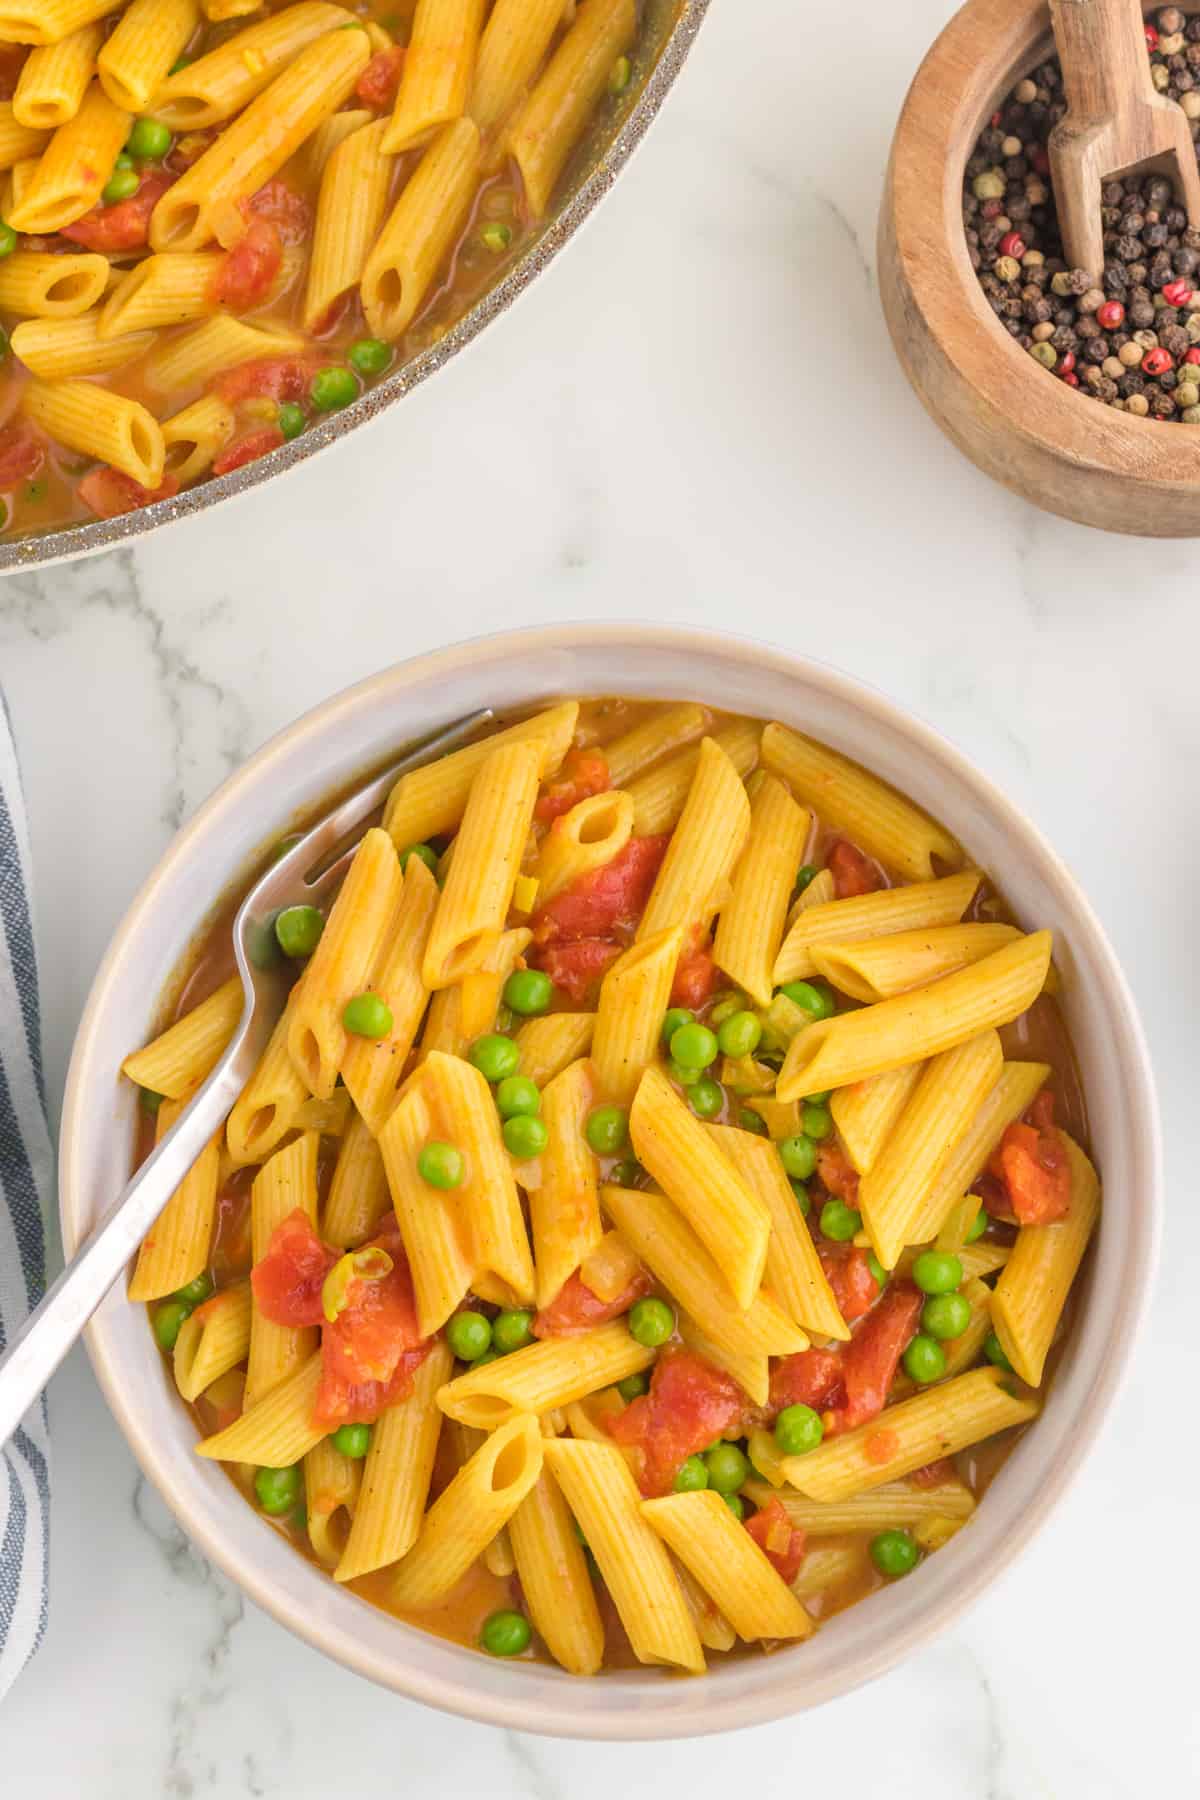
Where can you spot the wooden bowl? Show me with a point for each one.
(1054, 447)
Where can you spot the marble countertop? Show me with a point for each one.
(696, 416)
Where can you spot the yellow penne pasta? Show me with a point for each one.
(550, 123)
(853, 1046)
(191, 358)
(704, 847)
(879, 968)
(97, 422)
(712, 1628)
(287, 1182)
(820, 925)
(555, 1582)
(727, 1215)
(848, 799)
(175, 1249)
(430, 801)
(18, 143)
(589, 836)
(331, 1484)
(634, 996)
(894, 1191)
(671, 729)
(659, 795)
(421, 229)
(269, 1105)
(51, 287)
(602, 1494)
(397, 1473)
(48, 21)
(487, 857)
(373, 1068)
(511, 51)
(960, 1352)
(439, 65)
(312, 160)
(142, 48)
(54, 349)
(728, 1564)
(219, 84)
(180, 1058)
(951, 1209)
(547, 1045)
(465, 1011)
(276, 1431)
(751, 1371)
(467, 1514)
(74, 167)
(818, 892)
(866, 1112)
(212, 1340)
(896, 1503)
(350, 210)
(544, 1375)
(487, 1195)
(434, 1228)
(347, 952)
(827, 1566)
(750, 928)
(564, 1206)
(1033, 1288)
(195, 437)
(161, 291)
(54, 79)
(938, 1422)
(358, 1193)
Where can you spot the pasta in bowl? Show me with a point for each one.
(651, 1229)
(228, 233)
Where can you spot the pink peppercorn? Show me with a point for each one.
(1177, 293)
(1040, 159)
(1110, 315)
(1151, 38)
(1013, 244)
(1066, 363)
(1192, 355)
(1157, 361)
(1071, 379)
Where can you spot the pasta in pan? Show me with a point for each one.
(536, 1288)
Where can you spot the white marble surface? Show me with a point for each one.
(697, 416)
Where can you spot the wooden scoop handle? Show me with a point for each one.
(1102, 48)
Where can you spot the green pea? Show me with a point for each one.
(291, 420)
(517, 1095)
(706, 1097)
(736, 1505)
(694, 1046)
(979, 1225)
(496, 237)
(685, 1077)
(8, 240)
(124, 161)
(427, 854)
(607, 1130)
(120, 185)
(807, 873)
(626, 1174)
(894, 1553)
(815, 1121)
(333, 388)
(441, 1165)
(149, 141)
(993, 1349)
(495, 1056)
(528, 991)
(651, 1322)
(168, 1321)
(946, 1316)
(739, 1034)
(298, 929)
(367, 1016)
(839, 1221)
(925, 1360)
(811, 997)
(802, 1199)
(877, 1269)
(749, 1120)
(820, 1099)
(691, 1476)
(370, 356)
(727, 1468)
(524, 1136)
(619, 75)
(353, 1441)
(937, 1272)
(511, 1330)
(798, 1429)
(196, 1292)
(469, 1335)
(632, 1387)
(278, 1490)
(725, 1007)
(672, 1020)
(149, 1101)
(489, 1356)
(798, 1155)
(505, 1634)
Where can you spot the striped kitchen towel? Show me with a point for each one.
(25, 1173)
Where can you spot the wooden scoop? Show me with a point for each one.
(1116, 121)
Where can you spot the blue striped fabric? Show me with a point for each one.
(25, 1173)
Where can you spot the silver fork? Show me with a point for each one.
(304, 875)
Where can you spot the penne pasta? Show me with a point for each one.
(555, 1582)
(195, 437)
(564, 1206)
(218, 85)
(430, 801)
(138, 55)
(896, 1503)
(54, 79)
(54, 349)
(550, 123)
(511, 51)
(882, 967)
(331, 1485)
(284, 1184)
(634, 996)
(487, 858)
(51, 287)
(951, 1209)
(194, 357)
(373, 1068)
(212, 1340)
(162, 290)
(704, 847)
(467, 1514)
(277, 1430)
(659, 795)
(589, 836)
(439, 66)
(729, 1565)
(422, 226)
(663, 733)
(175, 1249)
(1033, 1287)
(48, 21)
(358, 1192)
(180, 1058)
(750, 929)
(270, 1103)
(74, 166)
(820, 924)
(866, 1112)
(544, 1375)
(547, 1045)
(397, 1474)
(350, 210)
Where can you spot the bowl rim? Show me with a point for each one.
(40, 549)
(922, 234)
(1105, 1378)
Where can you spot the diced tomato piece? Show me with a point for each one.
(22, 454)
(12, 61)
(380, 79)
(269, 378)
(576, 968)
(689, 1404)
(283, 207)
(778, 1539)
(287, 1281)
(606, 902)
(870, 1359)
(125, 226)
(1041, 1113)
(1036, 1173)
(109, 493)
(807, 1378)
(853, 873)
(933, 1474)
(248, 449)
(583, 773)
(369, 1352)
(849, 1275)
(696, 978)
(575, 1308)
(248, 273)
(838, 1173)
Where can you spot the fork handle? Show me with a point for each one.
(1102, 48)
(69, 1303)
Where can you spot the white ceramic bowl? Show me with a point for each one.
(357, 730)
